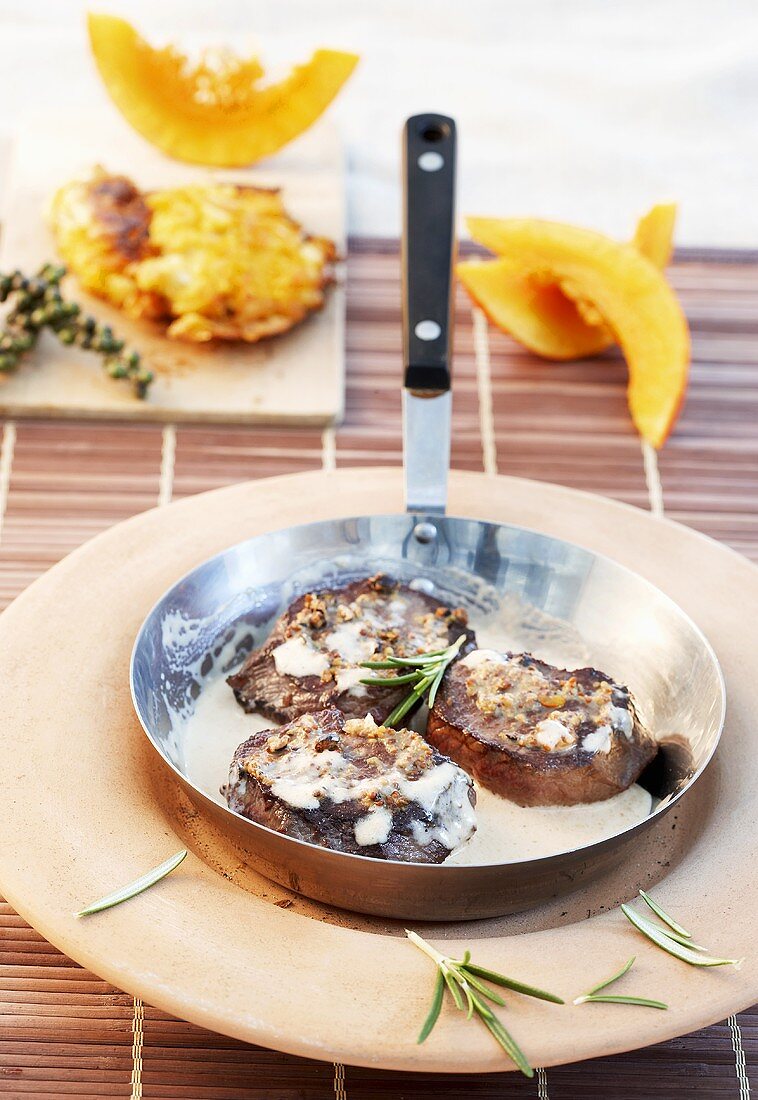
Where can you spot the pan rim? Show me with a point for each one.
(461, 869)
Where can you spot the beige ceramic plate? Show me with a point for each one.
(85, 808)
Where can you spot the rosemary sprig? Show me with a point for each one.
(462, 978)
(675, 942)
(134, 888)
(425, 673)
(594, 996)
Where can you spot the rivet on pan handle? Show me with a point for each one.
(429, 145)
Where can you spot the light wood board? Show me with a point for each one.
(297, 378)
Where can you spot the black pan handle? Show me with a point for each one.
(428, 251)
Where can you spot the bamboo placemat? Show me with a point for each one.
(65, 1033)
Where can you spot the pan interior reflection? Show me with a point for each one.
(530, 592)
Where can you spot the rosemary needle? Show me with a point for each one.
(454, 988)
(604, 998)
(683, 940)
(614, 978)
(511, 983)
(660, 912)
(480, 987)
(134, 888)
(594, 996)
(679, 951)
(434, 1011)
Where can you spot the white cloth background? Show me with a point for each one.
(587, 110)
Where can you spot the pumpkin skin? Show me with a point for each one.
(212, 113)
(628, 292)
(539, 313)
(654, 235)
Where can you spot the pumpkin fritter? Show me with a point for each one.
(215, 261)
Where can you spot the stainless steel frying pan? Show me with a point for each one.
(549, 596)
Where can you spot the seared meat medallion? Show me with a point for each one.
(537, 734)
(353, 786)
(311, 659)
(335, 776)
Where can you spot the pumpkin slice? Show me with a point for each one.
(213, 112)
(654, 235)
(629, 293)
(537, 312)
(533, 310)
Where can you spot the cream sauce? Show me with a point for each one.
(505, 831)
(552, 735)
(349, 680)
(482, 657)
(348, 641)
(219, 725)
(374, 827)
(599, 740)
(296, 657)
(211, 734)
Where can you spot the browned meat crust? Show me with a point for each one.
(539, 735)
(123, 215)
(338, 628)
(348, 784)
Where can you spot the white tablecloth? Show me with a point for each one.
(586, 110)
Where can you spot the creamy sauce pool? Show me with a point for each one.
(212, 733)
(505, 831)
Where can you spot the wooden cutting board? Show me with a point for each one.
(297, 378)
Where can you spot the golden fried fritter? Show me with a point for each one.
(214, 261)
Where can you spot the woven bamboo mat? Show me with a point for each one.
(63, 1032)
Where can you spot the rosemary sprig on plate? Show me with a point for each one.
(463, 979)
(672, 937)
(424, 671)
(594, 996)
(134, 888)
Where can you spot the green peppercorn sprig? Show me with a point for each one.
(36, 303)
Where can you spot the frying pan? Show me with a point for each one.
(561, 601)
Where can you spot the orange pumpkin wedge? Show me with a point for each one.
(539, 314)
(654, 235)
(629, 293)
(213, 112)
(534, 310)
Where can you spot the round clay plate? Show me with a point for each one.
(86, 807)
